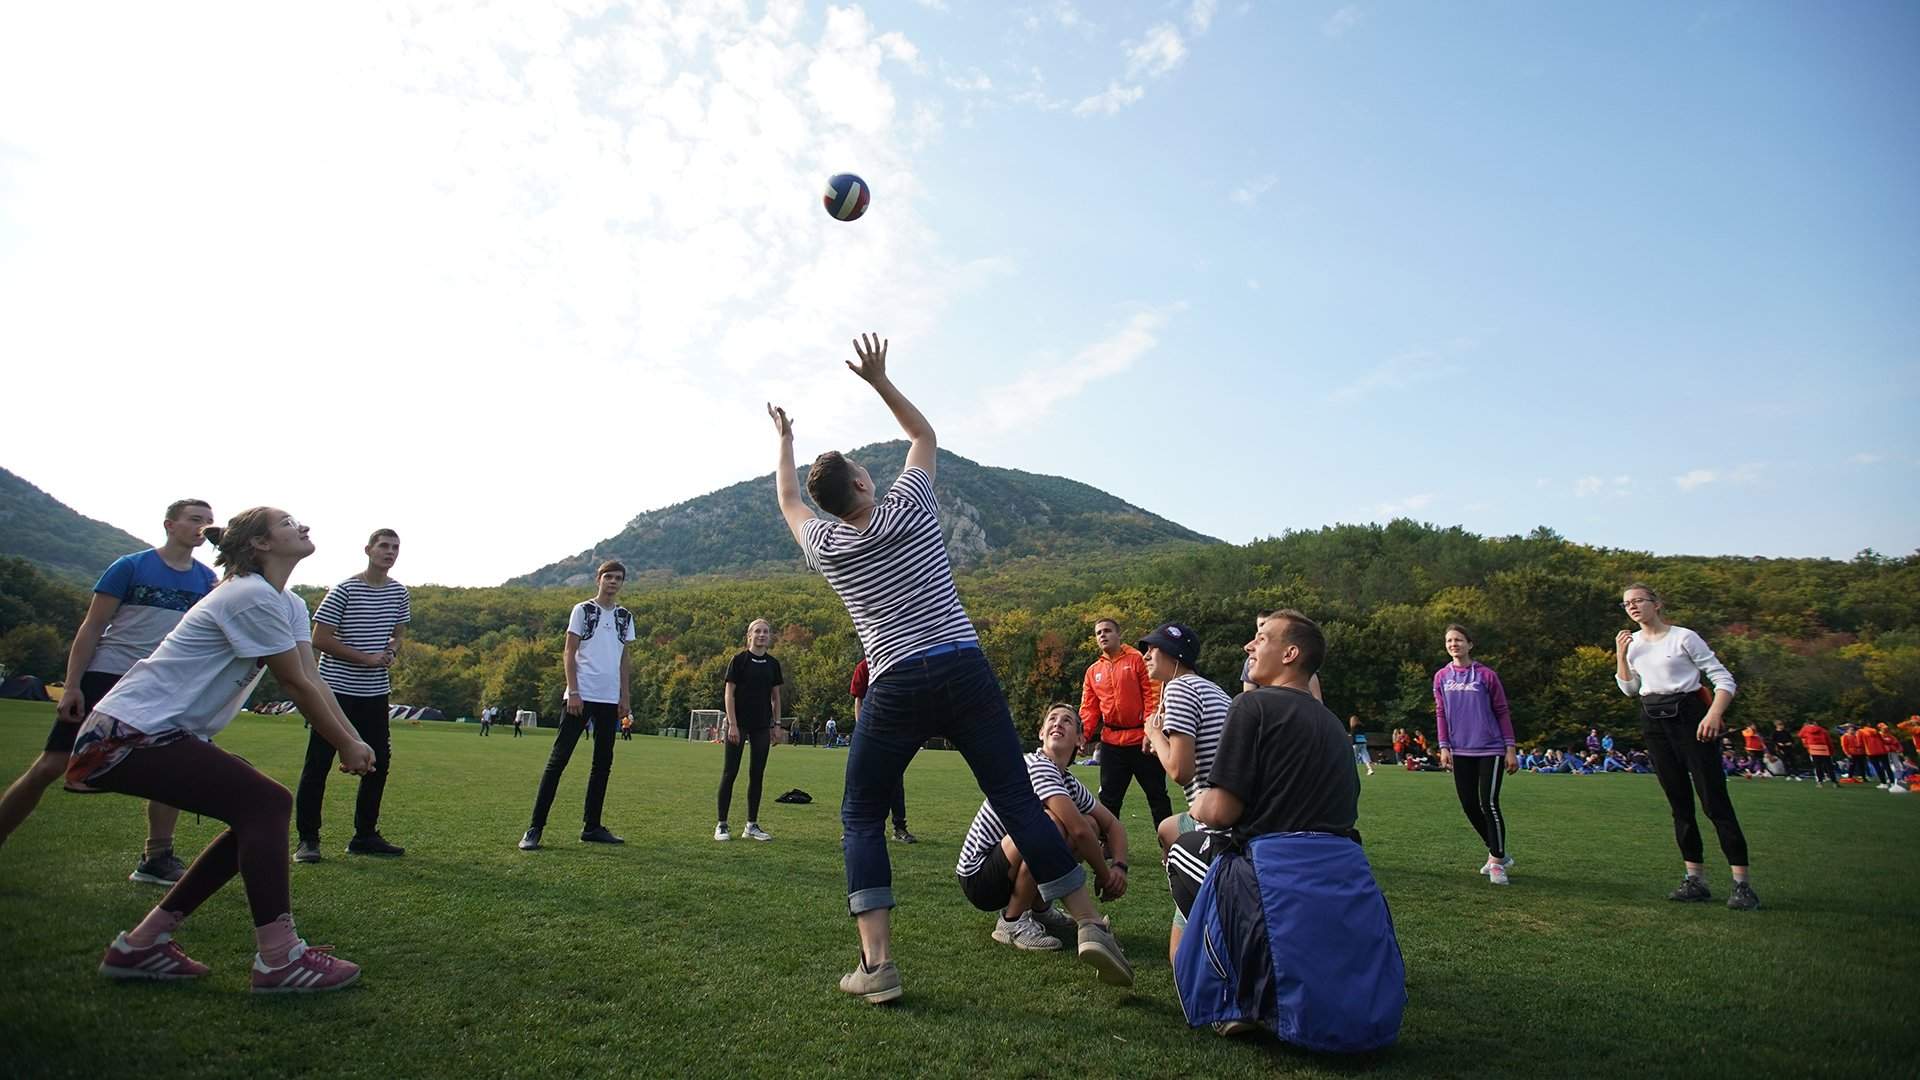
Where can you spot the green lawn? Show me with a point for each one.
(674, 955)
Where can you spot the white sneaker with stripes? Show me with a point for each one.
(310, 968)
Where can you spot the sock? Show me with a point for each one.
(158, 845)
(1739, 874)
(155, 928)
(276, 941)
(723, 823)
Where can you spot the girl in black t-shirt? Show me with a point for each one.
(753, 701)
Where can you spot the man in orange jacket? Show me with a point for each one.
(1874, 746)
(1856, 757)
(1819, 753)
(1116, 697)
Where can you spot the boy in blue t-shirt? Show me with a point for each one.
(136, 603)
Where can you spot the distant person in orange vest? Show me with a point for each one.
(1756, 750)
(1874, 746)
(1856, 755)
(1819, 752)
(1116, 697)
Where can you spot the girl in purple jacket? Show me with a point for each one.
(1476, 742)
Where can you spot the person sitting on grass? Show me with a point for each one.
(151, 737)
(1292, 906)
(1183, 736)
(994, 876)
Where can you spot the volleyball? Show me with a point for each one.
(846, 197)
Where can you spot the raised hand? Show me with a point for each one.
(1621, 640)
(872, 350)
(782, 423)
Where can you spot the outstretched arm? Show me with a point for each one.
(785, 487)
(872, 350)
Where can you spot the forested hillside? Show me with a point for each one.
(987, 514)
(1807, 638)
(41, 529)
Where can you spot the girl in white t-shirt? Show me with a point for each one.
(150, 735)
(1668, 668)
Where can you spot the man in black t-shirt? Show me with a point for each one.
(1284, 763)
(753, 701)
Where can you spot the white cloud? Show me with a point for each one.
(1061, 14)
(1590, 486)
(1034, 394)
(1344, 19)
(503, 218)
(1200, 15)
(1111, 100)
(1740, 474)
(932, 5)
(1403, 507)
(1408, 369)
(1866, 458)
(1249, 193)
(974, 81)
(1158, 52)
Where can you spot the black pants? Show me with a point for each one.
(1882, 770)
(605, 717)
(1477, 781)
(756, 771)
(1857, 766)
(1686, 766)
(1120, 766)
(368, 715)
(1823, 767)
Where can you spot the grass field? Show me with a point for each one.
(677, 956)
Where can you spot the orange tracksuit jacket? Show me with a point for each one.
(1116, 697)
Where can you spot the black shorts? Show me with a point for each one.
(990, 887)
(1187, 863)
(93, 686)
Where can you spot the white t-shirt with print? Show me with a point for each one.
(202, 672)
(604, 634)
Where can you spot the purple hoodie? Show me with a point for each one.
(1471, 706)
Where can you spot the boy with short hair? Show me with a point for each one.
(135, 604)
(598, 632)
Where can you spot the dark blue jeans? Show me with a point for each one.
(953, 695)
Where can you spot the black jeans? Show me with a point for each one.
(1685, 765)
(756, 771)
(605, 717)
(1477, 781)
(368, 715)
(1120, 766)
(1823, 767)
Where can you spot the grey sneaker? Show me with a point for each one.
(1691, 891)
(307, 851)
(1025, 933)
(161, 869)
(1743, 898)
(1234, 1028)
(531, 841)
(755, 832)
(875, 986)
(1099, 948)
(1056, 922)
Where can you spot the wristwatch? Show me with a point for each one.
(1120, 866)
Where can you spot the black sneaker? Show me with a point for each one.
(599, 834)
(161, 869)
(1743, 898)
(307, 850)
(1692, 891)
(905, 837)
(373, 844)
(531, 841)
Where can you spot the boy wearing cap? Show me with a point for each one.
(1183, 736)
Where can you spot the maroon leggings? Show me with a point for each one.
(201, 778)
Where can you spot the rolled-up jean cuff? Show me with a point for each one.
(1064, 884)
(873, 899)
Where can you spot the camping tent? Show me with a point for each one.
(24, 688)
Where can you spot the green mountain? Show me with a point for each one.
(988, 515)
(48, 533)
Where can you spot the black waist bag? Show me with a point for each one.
(1661, 706)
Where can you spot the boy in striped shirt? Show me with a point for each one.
(885, 559)
(1184, 735)
(993, 875)
(357, 631)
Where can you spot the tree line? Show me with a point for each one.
(1828, 640)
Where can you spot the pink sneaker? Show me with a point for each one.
(312, 968)
(163, 961)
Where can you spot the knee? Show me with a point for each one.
(275, 802)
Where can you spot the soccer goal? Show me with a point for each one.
(706, 725)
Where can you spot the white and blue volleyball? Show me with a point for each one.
(847, 196)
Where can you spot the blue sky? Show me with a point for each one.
(502, 277)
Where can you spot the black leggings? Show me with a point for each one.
(756, 771)
(1823, 767)
(1120, 766)
(1477, 781)
(605, 717)
(368, 715)
(201, 778)
(1685, 765)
